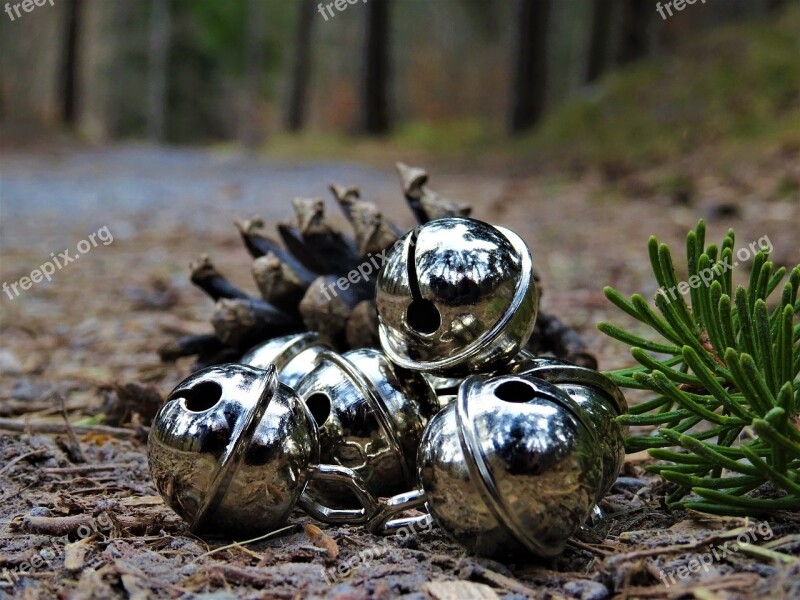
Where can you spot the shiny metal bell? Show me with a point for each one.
(511, 467)
(597, 395)
(294, 356)
(370, 416)
(232, 447)
(232, 450)
(456, 296)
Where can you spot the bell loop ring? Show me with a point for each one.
(376, 515)
(348, 479)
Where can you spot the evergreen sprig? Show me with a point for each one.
(725, 375)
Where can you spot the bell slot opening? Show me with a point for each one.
(319, 405)
(515, 391)
(201, 397)
(423, 316)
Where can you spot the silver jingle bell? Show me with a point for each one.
(511, 466)
(456, 296)
(597, 395)
(370, 416)
(294, 356)
(232, 450)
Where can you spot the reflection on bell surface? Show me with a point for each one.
(597, 395)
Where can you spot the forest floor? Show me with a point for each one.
(80, 517)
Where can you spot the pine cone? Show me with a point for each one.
(298, 286)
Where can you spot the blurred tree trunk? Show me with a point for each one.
(529, 93)
(31, 60)
(375, 74)
(301, 68)
(603, 32)
(250, 133)
(71, 58)
(157, 70)
(637, 30)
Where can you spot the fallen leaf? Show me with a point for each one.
(458, 590)
(75, 554)
(99, 439)
(142, 501)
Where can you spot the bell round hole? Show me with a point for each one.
(423, 316)
(515, 391)
(319, 405)
(202, 396)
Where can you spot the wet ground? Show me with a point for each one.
(86, 507)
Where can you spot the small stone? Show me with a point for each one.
(586, 590)
(9, 363)
(48, 553)
(40, 511)
(628, 484)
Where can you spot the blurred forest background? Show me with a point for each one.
(449, 76)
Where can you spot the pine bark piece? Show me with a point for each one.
(320, 254)
(345, 197)
(189, 345)
(259, 244)
(205, 276)
(228, 354)
(373, 234)
(326, 306)
(362, 326)
(314, 243)
(244, 323)
(278, 283)
(551, 335)
(426, 204)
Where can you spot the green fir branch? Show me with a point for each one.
(723, 368)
